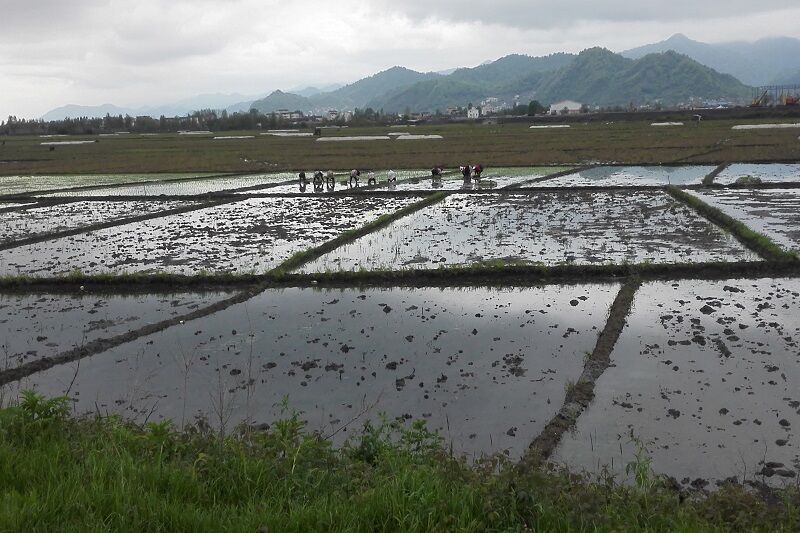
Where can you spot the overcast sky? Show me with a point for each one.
(144, 52)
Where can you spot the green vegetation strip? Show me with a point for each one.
(711, 176)
(580, 394)
(301, 258)
(760, 244)
(485, 274)
(109, 224)
(59, 473)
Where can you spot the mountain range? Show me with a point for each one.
(595, 76)
(670, 72)
(767, 61)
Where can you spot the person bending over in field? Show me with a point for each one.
(436, 177)
(477, 170)
(392, 181)
(466, 171)
(371, 178)
(354, 174)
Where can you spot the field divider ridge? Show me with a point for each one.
(111, 224)
(759, 243)
(36, 203)
(708, 180)
(488, 274)
(580, 394)
(303, 257)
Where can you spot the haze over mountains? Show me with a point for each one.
(669, 72)
(763, 62)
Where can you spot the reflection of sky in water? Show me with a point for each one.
(580, 227)
(20, 184)
(622, 176)
(22, 224)
(44, 325)
(485, 367)
(773, 212)
(774, 172)
(252, 235)
(702, 375)
(195, 186)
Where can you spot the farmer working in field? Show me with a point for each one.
(392, 181)
(354, 174)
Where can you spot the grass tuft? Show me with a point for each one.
(98, 474)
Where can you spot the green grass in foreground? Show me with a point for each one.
(59, 473)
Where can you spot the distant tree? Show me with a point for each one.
(584, 108)
(535, 108)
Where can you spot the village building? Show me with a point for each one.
(572, 107)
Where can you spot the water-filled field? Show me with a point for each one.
(705, 376)
(187, 187)
(50, 219)
(631, 176)
(35, 326)
(485, 367)
(251, 235)
(579, 227)
(767, 173)
(32, 184)
(773, 212)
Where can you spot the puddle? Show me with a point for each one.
(36, 221)
(773, 212)
(485, 367)
(188, 187)
(252, 235)
(631, 176)
(768, 173)
(706, 376)
(766, 126)
(43, 325)
(23, 184)
(551, 228)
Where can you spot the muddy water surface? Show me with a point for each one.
(188, 187)
(43, 325)
(631, 176)
(37, 221)
(768, 173)
(706, 376)
(485, 367)
(773, 212)
(551, 228)
(252, 235)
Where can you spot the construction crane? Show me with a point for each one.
(761, 100)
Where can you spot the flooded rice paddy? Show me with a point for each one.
(549, 228)
(768, 173)
(706, 376)
(35, 221)
(34, 326)
(251, 235)
(485, 367)
(181, 188)
(772, 212)
(31, 184)
(631, 176)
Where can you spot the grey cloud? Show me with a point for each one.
(539, 14)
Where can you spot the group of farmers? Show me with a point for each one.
(327, 180)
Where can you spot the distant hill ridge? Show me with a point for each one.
(670, 71)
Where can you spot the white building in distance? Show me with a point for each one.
(474, 113)
(572, 107)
